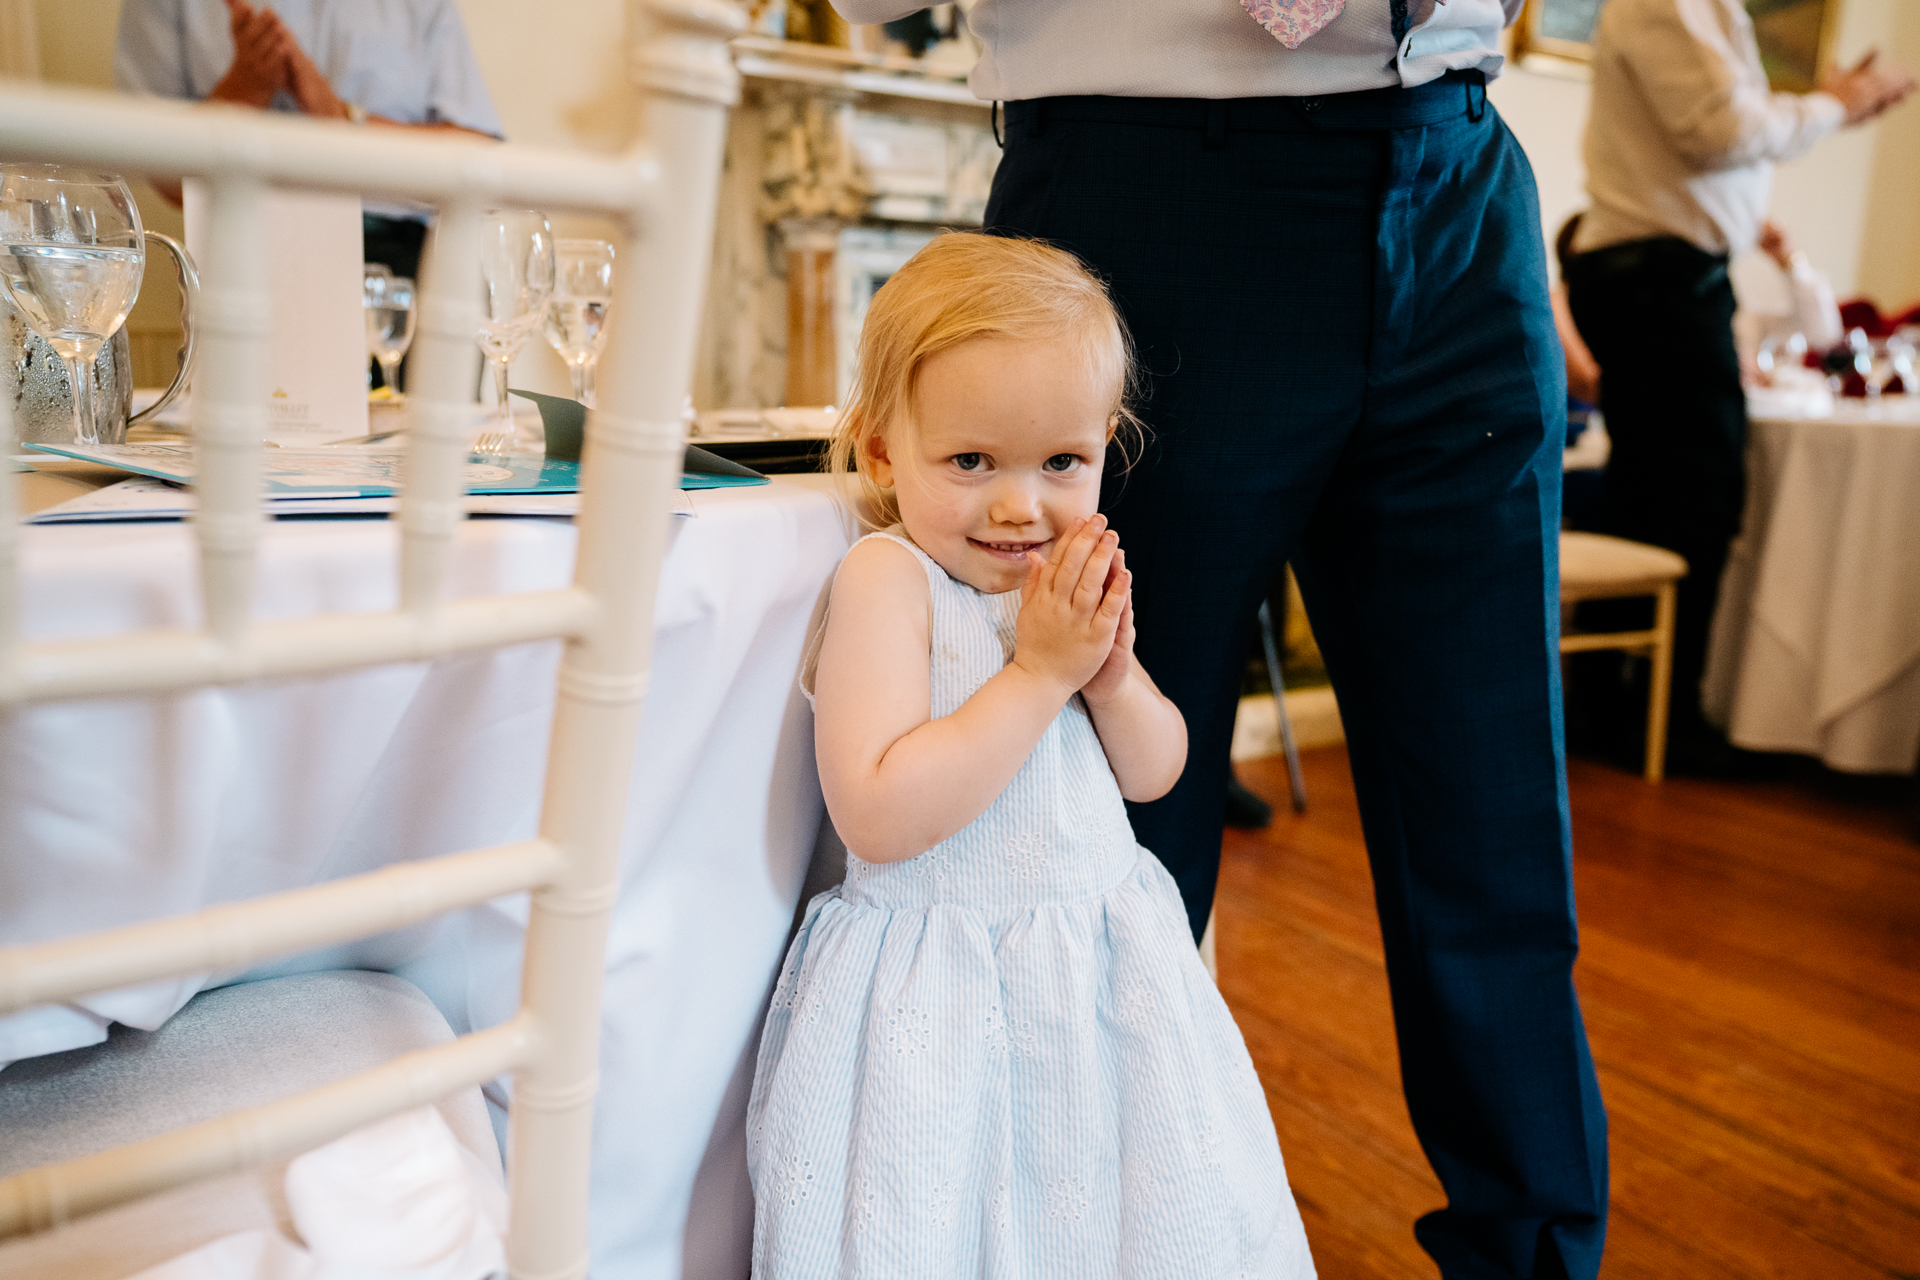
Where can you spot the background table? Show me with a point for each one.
(1816, 641)
(119, 810)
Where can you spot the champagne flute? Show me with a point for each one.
(72, 252)
(388, 300)
(577, 315)
(516, 265)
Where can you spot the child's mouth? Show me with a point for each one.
(1011, 551)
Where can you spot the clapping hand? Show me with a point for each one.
(312, 91)
(267, 60)
(1071, 607)
(259, 69)
(1112, 675)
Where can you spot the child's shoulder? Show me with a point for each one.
(880, 573)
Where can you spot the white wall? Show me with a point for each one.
(558, 78)
(1850, 203)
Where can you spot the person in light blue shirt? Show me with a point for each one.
(393, 62)
(388, 63)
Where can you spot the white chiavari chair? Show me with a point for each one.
(663, 195)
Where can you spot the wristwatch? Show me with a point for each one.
(356, 114)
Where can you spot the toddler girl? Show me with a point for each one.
(993, 1050)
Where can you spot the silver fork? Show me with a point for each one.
(496, 440)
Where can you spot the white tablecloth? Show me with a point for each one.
(120, 810)
(1816, 641)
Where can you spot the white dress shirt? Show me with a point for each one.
(407, 60)
(1209, 48)
(1683, 130)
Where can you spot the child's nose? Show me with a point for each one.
(1013, 503)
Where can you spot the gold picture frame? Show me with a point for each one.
(1796, 40)
(1561, 29)
(1795, 36)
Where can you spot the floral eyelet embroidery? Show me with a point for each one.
(1067, 1199)
(1134, 1005)
(863, 1205)
(1025, 1041)
(801, 999)
(997, 1038)
(792, 1181)
(1210, 1141)
(909, 1031)
(942, 1199)
(933, 866)
(1027, 856)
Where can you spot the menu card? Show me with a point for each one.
(317, 330)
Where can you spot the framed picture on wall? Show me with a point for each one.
(1796, 40)
(1558, 29)
(1795, 36)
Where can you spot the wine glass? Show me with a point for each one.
(577, 315)
(388, 300)
(72, 252)
(516, 263)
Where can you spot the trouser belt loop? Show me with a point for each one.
(1216, 134)
(993, 115)
(1039, 117)
(1476, 86)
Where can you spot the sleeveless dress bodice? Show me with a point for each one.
(1058, 833)
(1002, 1058)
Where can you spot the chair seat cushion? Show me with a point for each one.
(1595, 565)
(233, 1047)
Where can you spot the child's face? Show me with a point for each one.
(1004, 454)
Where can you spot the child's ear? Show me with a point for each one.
(879, 466)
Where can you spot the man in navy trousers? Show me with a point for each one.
(1328, 248)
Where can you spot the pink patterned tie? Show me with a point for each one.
(1292, 21)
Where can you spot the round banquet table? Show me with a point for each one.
(118, 810)
(1816, 639)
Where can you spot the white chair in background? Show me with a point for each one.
(663, 194)
(1594, 566)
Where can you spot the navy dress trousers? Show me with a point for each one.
(1340, 307)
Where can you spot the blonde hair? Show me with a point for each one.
(963, 286)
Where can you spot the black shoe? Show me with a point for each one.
(1245, 810)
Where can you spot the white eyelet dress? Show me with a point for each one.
(1002, 1058)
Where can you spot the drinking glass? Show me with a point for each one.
(72, 251)
(388, 300)
(1902, 349)
(516, 265)
(577, 315)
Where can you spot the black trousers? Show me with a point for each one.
(1658, 315)
(1341, 308)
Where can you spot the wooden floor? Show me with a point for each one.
(1750, 975)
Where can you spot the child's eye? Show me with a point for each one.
(1062, 462)
(970, 461)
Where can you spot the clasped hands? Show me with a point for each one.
(267, 60)
(1075, 626)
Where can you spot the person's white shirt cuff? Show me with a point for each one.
(1825, 109)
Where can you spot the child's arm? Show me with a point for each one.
(898, 781)
(1144, 734)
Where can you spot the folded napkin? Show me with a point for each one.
(565, 424)
(397, 1200)
(1861, 313)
